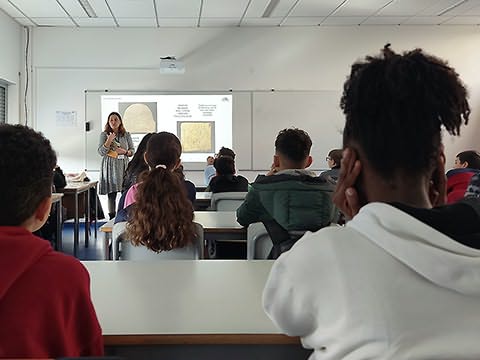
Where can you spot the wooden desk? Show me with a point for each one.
(57, 203)
(75, 189)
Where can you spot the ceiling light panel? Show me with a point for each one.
(44, 8)
(224, 8)
(178, 9)
(132, 9)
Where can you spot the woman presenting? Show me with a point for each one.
(115, 147)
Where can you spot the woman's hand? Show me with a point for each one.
(121, 151)
(111, 137)
(346, 196)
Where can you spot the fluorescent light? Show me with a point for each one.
(270, 7)
(451, 7)
(87, 7)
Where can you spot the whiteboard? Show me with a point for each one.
(258, 116)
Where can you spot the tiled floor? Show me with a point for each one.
(95, 248)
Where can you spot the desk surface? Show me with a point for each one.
(73, 187)
(206, 196)
(180, 297)
(218, 220)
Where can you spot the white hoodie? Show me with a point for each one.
(385, 286)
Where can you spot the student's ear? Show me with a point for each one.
(465, 164)
(309, 161)
(40, 215)
(276, 161)
(177, 165)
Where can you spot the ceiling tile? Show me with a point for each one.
(132, 8)
(283, 8)
(406, 7)
(177, 22)
(100, 8)
(436, 7)
(10, 10)
(73, 8)
(315, 7)
(224, 8)
(44, 8)
(257, 8)
(178, 9)
(361, 7)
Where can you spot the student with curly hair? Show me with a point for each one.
(45, 306)
(401, 279)
(160, 215)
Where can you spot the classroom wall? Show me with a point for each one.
(11, 63)
(68, 61)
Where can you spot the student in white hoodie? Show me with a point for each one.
(402, 279)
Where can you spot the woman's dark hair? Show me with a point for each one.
(225, 165)
(137, 165)
(162, 218)
(336, 156)
(395, 106)
(27, 172)
(470, 156)
(224, 151)
(121, 128)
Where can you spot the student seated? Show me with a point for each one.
(225, 179)
(45, 305)
(467, 164)
(159, 213)
(473, 188)
(289, 194)
(397, 281)
(333, 159)
(210, 170)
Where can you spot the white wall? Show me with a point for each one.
(68, 61)
(11, 63)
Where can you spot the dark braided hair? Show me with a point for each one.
(395, 106)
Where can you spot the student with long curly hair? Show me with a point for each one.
(401, 280)
(160, 213)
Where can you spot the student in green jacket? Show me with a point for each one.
(289, 193)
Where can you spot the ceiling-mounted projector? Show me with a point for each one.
(170, 65)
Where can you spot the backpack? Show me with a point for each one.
(282, 240)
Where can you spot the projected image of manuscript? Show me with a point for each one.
(197, 137)
(139, 118)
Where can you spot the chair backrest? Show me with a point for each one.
(227, 201)
(259, 243)
(130, 252)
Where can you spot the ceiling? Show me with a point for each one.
(243, 13)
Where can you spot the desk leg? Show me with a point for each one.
(87, 217)
(58, 236)
(96, 210)
(76, 227)
(106, 246)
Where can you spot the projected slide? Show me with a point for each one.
(203, 123)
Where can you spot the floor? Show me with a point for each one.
(95, 248)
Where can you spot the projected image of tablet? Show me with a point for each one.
(197, 137)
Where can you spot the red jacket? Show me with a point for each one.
(45, 305)
(457, 182)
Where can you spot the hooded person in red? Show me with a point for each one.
(45, 305)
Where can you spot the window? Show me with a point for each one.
(3, 103)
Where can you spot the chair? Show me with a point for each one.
(259, 243)
(227, 201)
(131, 252)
